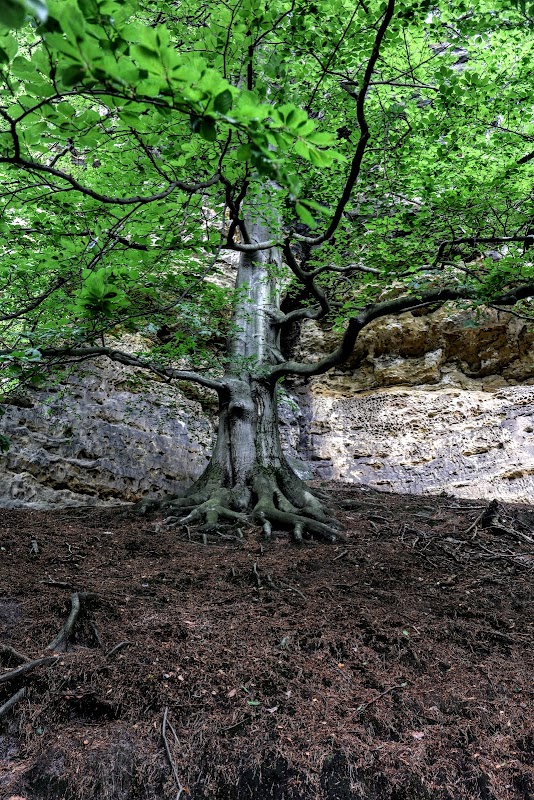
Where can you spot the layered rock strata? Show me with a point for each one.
(427, 403)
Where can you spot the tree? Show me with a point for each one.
(362, 158)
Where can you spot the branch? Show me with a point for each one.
(307, 280)
(364, 133)
(83, 353)
(35, 302)
(474, 240)
(31, 166)
(399, 305)
(350, 268)
(524, 159)
(180, 788)
(252, 247)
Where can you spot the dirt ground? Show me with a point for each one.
(396, 666)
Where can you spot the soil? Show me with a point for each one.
(394, 666)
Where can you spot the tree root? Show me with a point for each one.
(13, 700)
(59, 644)
(118, 647)
(277, 499)
(309, 516)
(14, 655)
(22, 670)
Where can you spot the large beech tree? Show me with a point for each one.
(363, 158)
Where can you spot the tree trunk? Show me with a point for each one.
(248, 473)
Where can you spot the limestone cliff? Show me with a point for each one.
(427, 403)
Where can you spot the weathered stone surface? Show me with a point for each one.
(446, 346)
(426, 404)
(464, 442)
(111, 435)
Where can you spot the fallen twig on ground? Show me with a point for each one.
(172, 762)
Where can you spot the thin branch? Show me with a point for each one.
(172, 763)
(331, 57)
(31, 166)
(35, 302)
(350, 268)
(364, 133)
(83, 353)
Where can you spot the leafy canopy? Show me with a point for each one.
(133, 135)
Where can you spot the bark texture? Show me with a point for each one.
(248, 473)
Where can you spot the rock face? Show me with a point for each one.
(447, 347)
(467, 443)
(462, 423)
(427, 403)
(107, 436)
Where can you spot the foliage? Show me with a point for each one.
(133, 135)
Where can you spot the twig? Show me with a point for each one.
(237, 724)
(59, 584)
(98, 638)
(475, 523)
(375, 699)
(118, 648)
(341, 555)
(16, 673)
(63, 636)
(256, 574)
(7, 650)
(288, 586)
(8, 705)
(172, 763)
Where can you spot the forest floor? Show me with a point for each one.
(396, 666)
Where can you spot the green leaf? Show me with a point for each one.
(208, 130)
(244, 152)
(72, 75)
(305, 216)
(12, 13)
(223, 102)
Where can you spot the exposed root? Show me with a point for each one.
(13, 700)
(12, 654)
(277, 499)
(117, 649)
(310, 517)
(22, 670)
(60, 642)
